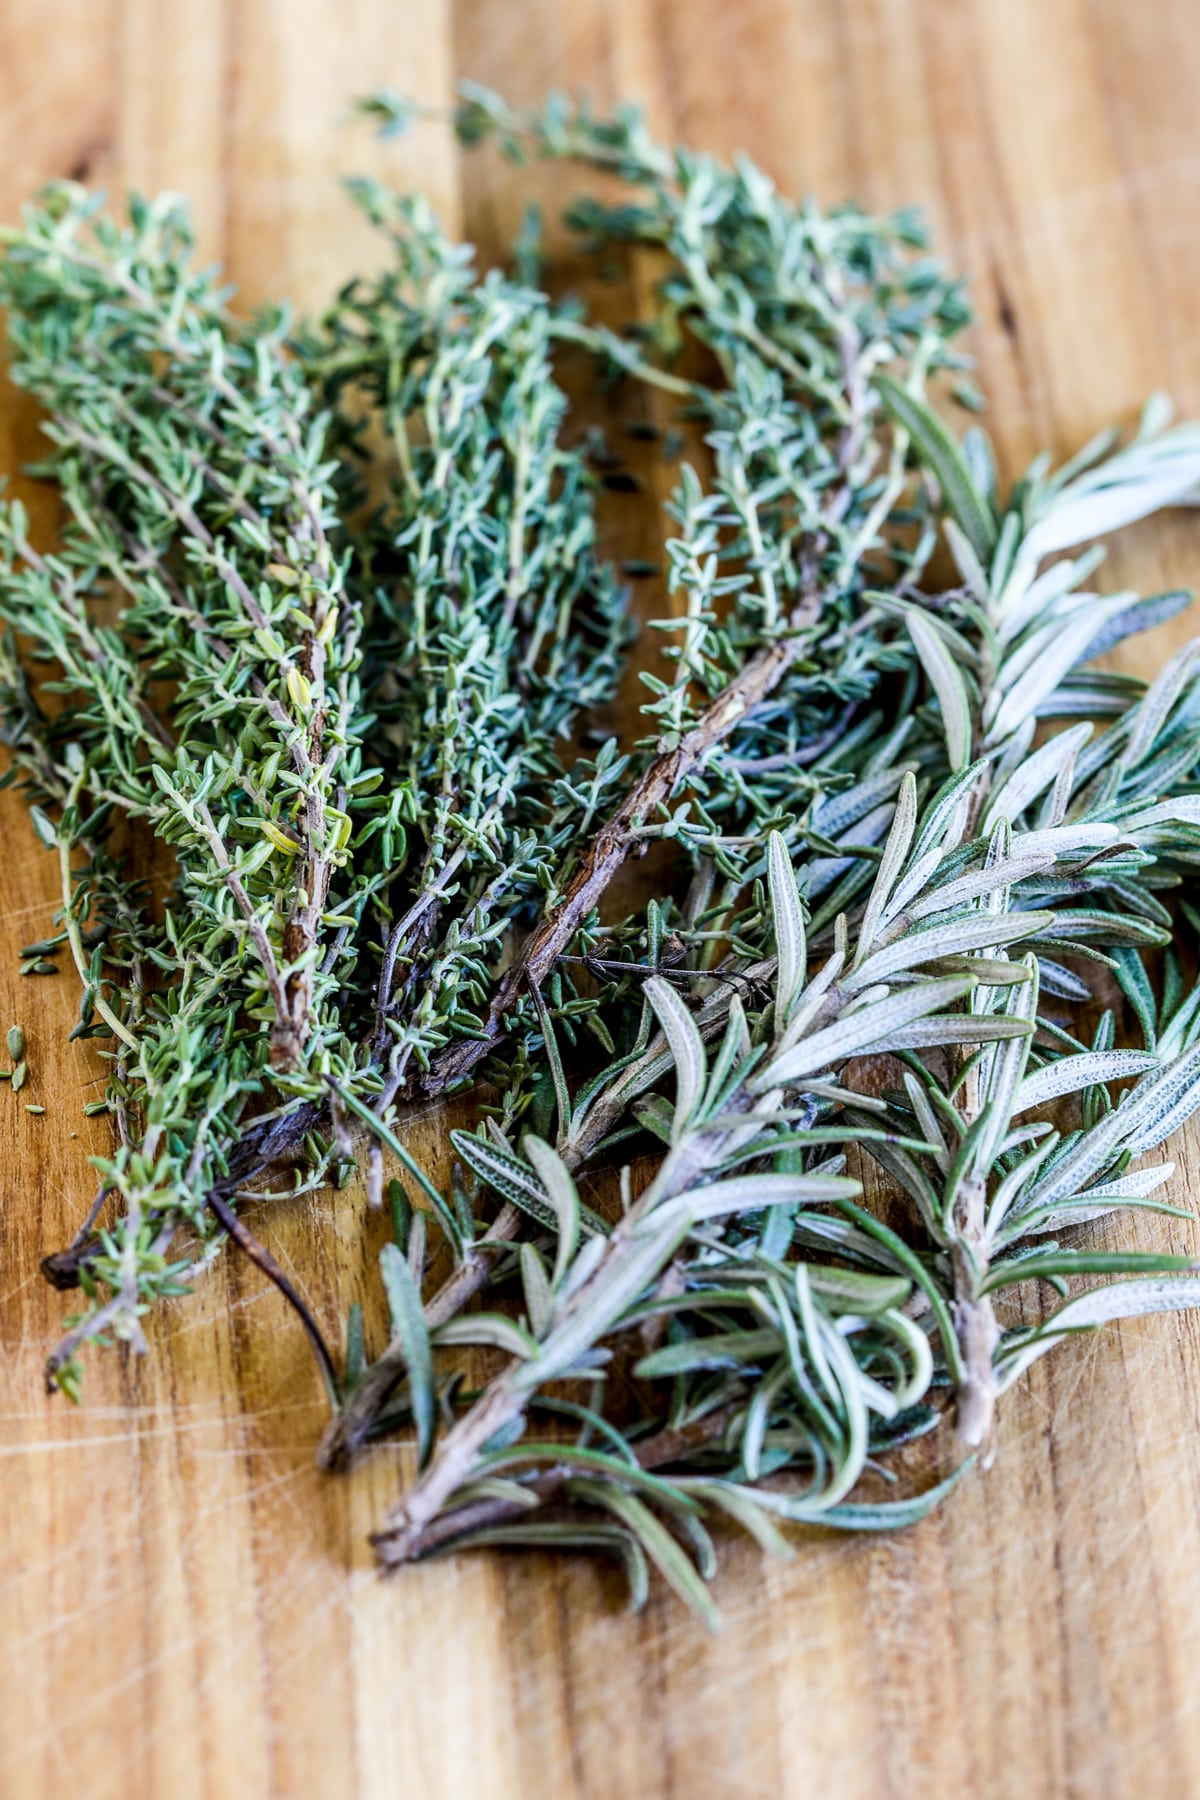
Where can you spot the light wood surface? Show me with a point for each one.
(186, 1606)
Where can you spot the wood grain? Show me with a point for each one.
(186, 1606)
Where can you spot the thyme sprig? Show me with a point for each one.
(223, 666)
(798, 312)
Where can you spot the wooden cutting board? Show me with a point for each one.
(186, 1606)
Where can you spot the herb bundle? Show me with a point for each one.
(327, 638)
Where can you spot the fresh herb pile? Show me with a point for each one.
(308, 702)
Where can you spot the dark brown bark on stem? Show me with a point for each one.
(656, 1452)
(261, 1257)
(617, 838)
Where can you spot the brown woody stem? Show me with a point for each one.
(261, 1257)
(616, 839)
(656, 1452)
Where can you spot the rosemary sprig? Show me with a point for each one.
(760, 1102)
